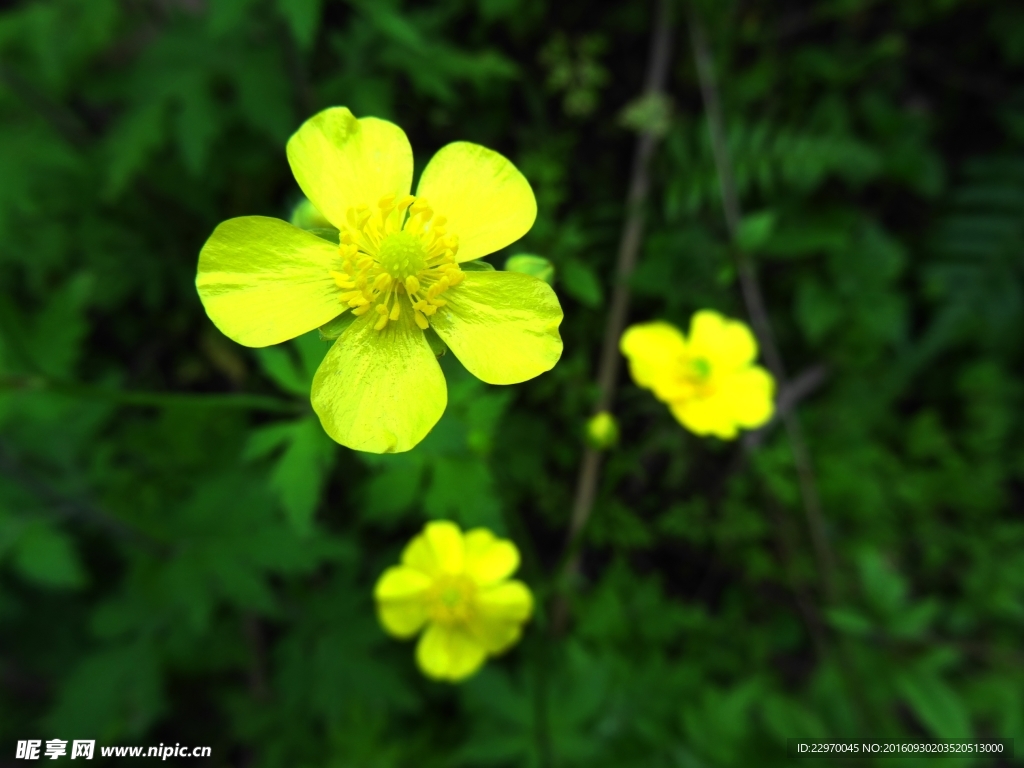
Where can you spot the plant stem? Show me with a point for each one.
(629, 249)
(753, 298)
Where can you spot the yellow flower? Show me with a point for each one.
(709, 381)
(396, 269)
(458, 586)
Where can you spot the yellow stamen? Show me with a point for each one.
(397, 247)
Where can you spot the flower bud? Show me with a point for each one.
(602, 431)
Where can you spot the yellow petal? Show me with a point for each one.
(400, 582)
(341, 162)
(263, 281)
(503, 326)
(449, 653)
(379, 391)
(653, 350)
(495, 636)
(750, 394)
(439, 549)
(500, 613)
(487, 201)
(488, 558)
(400, 605)
(710, 416)
(508, 601)
(726, 344)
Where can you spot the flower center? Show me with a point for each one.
(402, 255)
(695, 377)
(451, 599)
(396, 255)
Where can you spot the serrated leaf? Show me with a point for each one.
(299, 475)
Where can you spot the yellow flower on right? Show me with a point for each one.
(709, 380)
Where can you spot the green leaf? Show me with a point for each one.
(850, 621)
(311, 350)
(437, 345)
(395, 490)
(280, 365)
(462, 489)
(936, 705)
(477, 265)
(883, 586)
(226, 15)
(332, 329)
(581, 283)
(300, 473)
(529, 264)
(112, 693)
(47, 556)
(197, 125)
(303, 17)
(755, 230)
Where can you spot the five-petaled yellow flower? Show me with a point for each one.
(458, 586)
(709, 381)
(396, 269)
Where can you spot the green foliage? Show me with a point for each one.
(186, 557)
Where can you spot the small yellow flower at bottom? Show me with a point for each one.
(454, 587)
(709, 380)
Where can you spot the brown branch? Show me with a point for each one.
(796, 389)
(753, 298)
(629, 249)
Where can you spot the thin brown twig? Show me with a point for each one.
(753, 298)
(629, 249)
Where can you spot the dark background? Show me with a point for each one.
(186, 558)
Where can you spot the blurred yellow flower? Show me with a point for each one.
(457, 586)
(709, 381)
(398, 269)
